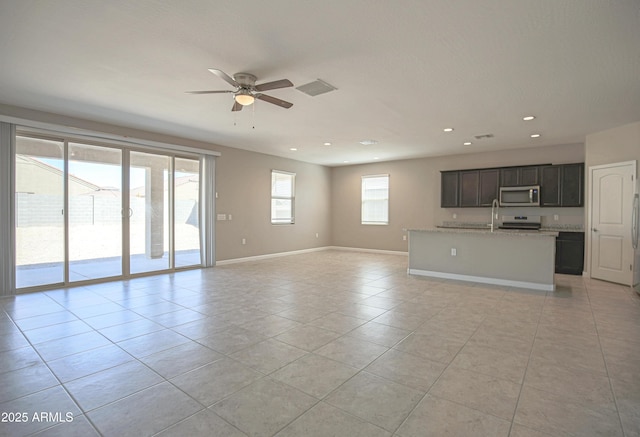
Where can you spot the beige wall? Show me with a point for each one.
(414, 187)
(613, 145)
(619, 144)
(243, 183)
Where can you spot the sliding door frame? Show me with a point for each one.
(125, 150)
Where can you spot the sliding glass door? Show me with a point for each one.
(74, 225)
(95, 212)
(39, 198)
(149, 205)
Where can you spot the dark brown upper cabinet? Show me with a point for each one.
(469, 188)
(529, 175)
(449, 189)
(469, 183)
(572, 185)
(550, 185)
(489, 188)
(514, 176)
(560, 185)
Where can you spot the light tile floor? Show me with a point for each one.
(328, 343)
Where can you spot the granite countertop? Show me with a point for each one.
(544, 228)
(502, 232)
(563, 228)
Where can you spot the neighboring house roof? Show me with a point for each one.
(179, 182)
(28, 160)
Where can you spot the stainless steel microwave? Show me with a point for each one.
(520, 196)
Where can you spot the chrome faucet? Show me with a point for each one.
(495, 206)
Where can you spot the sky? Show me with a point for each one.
(103, 175)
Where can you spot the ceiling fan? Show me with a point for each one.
(246, 90)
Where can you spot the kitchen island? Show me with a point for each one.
(524, 259)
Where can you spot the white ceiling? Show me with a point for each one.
(404, 70)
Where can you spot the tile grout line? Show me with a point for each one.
(604, 360)
(526, 369)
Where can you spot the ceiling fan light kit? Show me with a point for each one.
(244, 97)
(246, 90)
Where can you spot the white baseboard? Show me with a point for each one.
(270, 255)
(360, 249)
(299, 252)
(484, 280)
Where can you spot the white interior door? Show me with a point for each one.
(612, 189)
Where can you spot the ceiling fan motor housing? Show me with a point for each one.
(245, 80)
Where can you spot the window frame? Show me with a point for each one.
(363, 200)
(292, 219)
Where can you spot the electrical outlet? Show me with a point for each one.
(404, 238)
(454, 251)
(556, 217)
(317, 235)
(229, 216)
(244, 241)
(455, 216)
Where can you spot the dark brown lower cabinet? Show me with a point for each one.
(570, 253)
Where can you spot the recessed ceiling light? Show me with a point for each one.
(467, 143)
(448, 129)
(293, 149)
(327, 143)
(535, 135)
(375, 157)
(528, 118)
(368, 142)
(345, 161)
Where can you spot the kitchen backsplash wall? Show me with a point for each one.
(571, 218)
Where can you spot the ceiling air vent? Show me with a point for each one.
(316, 88)
(483, 137)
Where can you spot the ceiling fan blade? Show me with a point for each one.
(275, 101)
(236, 107)
(208, 92)
(282, 83)
(224, 76)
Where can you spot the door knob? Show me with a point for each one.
(594, 230)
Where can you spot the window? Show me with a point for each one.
(282, 197)
(375, 200)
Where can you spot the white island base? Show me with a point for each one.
(507, 258)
